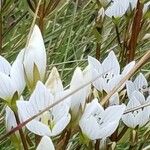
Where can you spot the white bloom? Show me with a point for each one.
(146, 7)
(139, 84)
(54, 82)
(10, 119)
(138, 117)
(35, 58)
(45, 144)
(97, 123)
(119, 7)
(78, 98)
(50, 123)
(11, 77)
(109, 70)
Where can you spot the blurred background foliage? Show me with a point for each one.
(71, 32)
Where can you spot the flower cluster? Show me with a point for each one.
(80, 112)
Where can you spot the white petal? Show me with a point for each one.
(146, 7)
(87, 78)
(77, 99)
(54, 82)
(130, 88)
(133, 3)
(129, 120)
(10, 119)
(61, 125)
(140, 82)
(88, 123)
(38, 128)
(89, 127)
(112, 83)
(45, 144)
(114, 99)
(96, 70)
(92, 107)
(24, 110)
(113, 113)
(138, 96)
(41, 97)
(4, 66)
(144, 117)
(94, 63)
(35, 54)
(17, 73)
(111, 64)
(7, 88)
(108, 129)
(117, 9)
(128, 68)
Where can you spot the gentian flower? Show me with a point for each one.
(109, 70)
(50, 123)
(78, 98)
(138, 117)
(35, 58)
(12, 81)
(139, 84)
(97, 123)
(118, 8)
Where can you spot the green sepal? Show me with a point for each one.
(16, 142)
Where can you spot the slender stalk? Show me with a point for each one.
(98, 49)
(66, 139)
(114, 136)
(118, 35)
(37, 139)
(22, 136)
(122, 133)
(97, 144)
(136, 27)
(133, 139)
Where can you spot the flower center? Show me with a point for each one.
(98, 118)
(47, 119)
(108, 76)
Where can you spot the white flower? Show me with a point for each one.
(45, 144)
(97, 123)
(10, 119)
(146, 7)
(138, 117)
(11, 78)
(119, 7)
(35, 58)
(109, 70)
(50, 123)
(139, 84)
(54, 82)
(78, 98)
